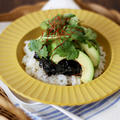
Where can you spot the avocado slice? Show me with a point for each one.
(92, 52)
(87, 67)
(85, 62)
(56, 58)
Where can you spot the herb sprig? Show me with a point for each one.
(63, 36)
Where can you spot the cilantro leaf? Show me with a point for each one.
(44, 25)
(43, 52)
(91, 38)
(35, 45)
(63, 36)
(90, 34)
(74, 21)
(76, 32)
(67, 49)
(78, 36)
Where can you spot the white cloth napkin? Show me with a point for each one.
(107, 109)
(59, 4)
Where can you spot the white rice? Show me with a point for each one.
(101, 65)
(32, 68)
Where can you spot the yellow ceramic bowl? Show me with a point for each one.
(13, 74)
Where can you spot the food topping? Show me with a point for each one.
(66, 67)
(66, 47)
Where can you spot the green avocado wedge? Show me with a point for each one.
(85, 62)
(56, 58)
(92, 52)
(87, 67)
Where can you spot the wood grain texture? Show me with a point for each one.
(20, 11)
(110, 4)
(110, 13)
(25, 9)
(8, 110)
(7, 5)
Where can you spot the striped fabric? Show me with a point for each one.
(39, 111)
(47, 112)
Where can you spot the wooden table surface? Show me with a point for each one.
(7, 5)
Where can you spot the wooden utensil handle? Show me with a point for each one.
(112, 14)
(8, 110)
(20, 11)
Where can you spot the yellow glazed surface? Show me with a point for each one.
(27, 27)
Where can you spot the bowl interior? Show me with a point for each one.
(35, 33)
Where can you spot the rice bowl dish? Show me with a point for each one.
(33, 69)
(91, 89)
(32, 60)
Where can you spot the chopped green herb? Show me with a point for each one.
(89, 34)
(43, 52)
(69, 15)
(67, 49)
(74, 21)
(44, 25)
(35, 45)
(63, 36)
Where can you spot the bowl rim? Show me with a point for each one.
(53, 94)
